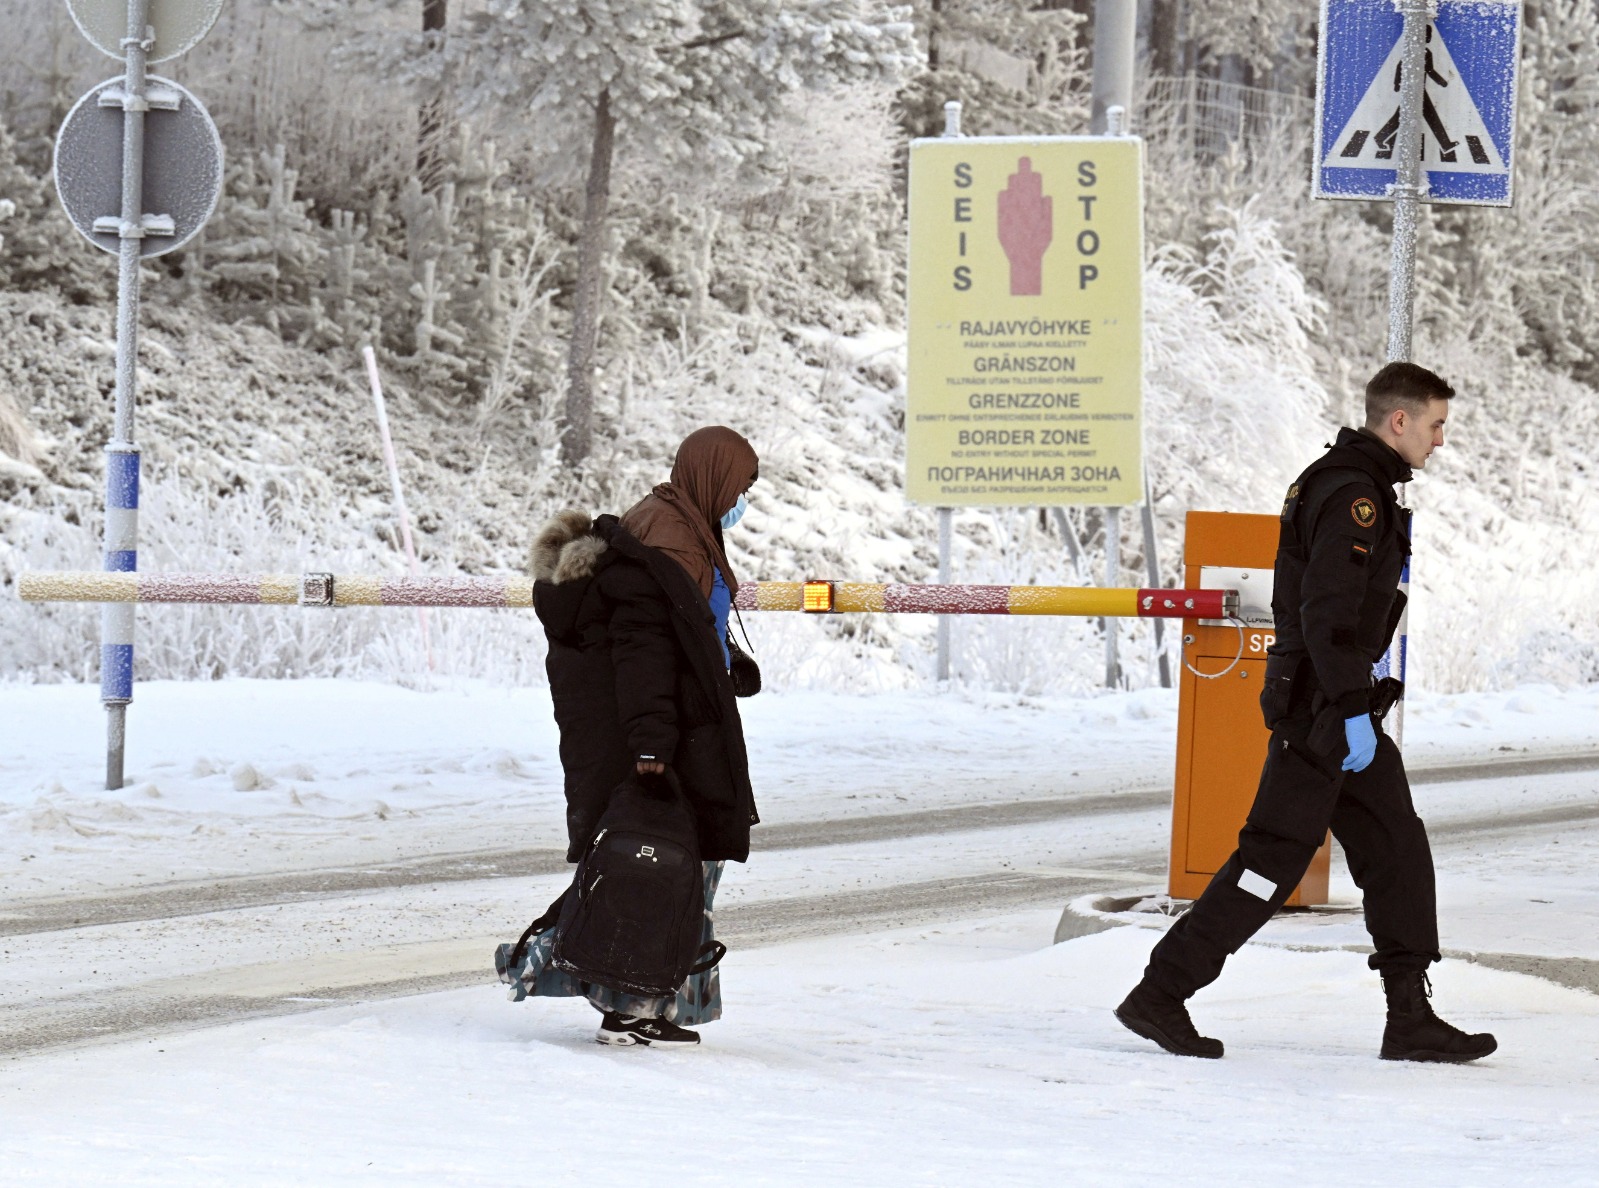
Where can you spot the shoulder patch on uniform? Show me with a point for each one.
(1359, 553)
(1364, 512)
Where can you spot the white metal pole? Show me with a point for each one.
(1115, 51)
(1113, 568)
(945, 533)
(952, 118)
(1152, 567)
(399, 492)
(1410, 184)
(122, 456)
(1399, 650)
(1074, 547)
(952, 127)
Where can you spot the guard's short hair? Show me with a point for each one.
(1403, 385)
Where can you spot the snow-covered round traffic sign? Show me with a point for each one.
(182, 166)
(179, 24)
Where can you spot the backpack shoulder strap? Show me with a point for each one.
(711, 953)
(547, 920)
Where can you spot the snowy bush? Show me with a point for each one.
(261, 528)
(14, 436)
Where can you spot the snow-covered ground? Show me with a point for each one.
(975, 1053)
(968, 1049)
(238, 776)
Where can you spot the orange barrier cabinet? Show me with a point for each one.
(1221, 741)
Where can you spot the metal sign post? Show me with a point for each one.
(162, 151)
(1115, 53)
(1409, 185)
(122, 456)
(1409, 188)
(1415, 102)
(946, 516)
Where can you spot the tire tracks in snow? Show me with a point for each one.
(173, 900)
(241, 994)
(106, 1013)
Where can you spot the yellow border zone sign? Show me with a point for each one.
(1026, 322)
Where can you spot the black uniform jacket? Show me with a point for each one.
(1341, 549)
(636, 671)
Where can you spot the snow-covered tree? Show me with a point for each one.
(1018, 69)
(432, 125)
(696, 82)
(41, 247)
(1542, 251)
(1257, 31)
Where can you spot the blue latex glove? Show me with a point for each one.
(1362, 741)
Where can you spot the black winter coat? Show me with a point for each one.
(636, 671)
(1341, 550)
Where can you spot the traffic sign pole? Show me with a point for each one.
(1409, 187)
(1451, 139)
(1409, 184)
(105, 164)
(1115, 54)
(122, 455)
(946, 516)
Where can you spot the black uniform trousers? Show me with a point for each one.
(1300, 797)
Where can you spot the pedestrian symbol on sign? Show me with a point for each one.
(1466, 56)
(1455, 138)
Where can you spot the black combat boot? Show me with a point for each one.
(1415, 1033)
(1152, 1013)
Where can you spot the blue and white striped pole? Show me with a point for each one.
(116, 619)
(1396, 658)
(122, 456)
(1399, 656)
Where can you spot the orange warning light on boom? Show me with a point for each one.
(818, 597)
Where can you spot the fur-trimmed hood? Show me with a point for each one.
(566, 549)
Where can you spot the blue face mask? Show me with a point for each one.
(735, 513)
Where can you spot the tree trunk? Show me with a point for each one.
(431, 121)
(1165, 39)
(577, 439)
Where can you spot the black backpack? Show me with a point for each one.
(633, 916)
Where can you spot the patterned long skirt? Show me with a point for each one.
(698, 1001)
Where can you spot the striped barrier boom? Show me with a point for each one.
(326, 589)
(276, 589)
(897, 598)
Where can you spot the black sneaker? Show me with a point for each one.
(1159, 1016)
(624, 1031)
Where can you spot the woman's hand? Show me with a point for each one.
(650, 767)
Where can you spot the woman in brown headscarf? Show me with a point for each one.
(683, 517)
(636, 615)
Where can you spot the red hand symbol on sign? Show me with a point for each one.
(1026, 227)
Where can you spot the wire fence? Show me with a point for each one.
(1265, 134)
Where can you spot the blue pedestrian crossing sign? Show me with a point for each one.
(1468, 117)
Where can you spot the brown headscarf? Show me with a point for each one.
(714, 466)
